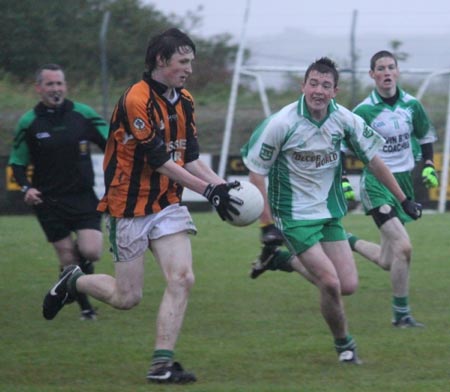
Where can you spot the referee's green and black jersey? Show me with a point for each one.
(57, 143)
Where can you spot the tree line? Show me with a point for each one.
(68, 33)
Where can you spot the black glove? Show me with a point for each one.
(413, 209)
(219, 197)
(270, 235)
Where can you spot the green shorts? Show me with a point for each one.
(374, 194)
(301, 235)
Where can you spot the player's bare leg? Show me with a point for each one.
(394, 255)
(122, 292)
(328, 280)
(174, 255)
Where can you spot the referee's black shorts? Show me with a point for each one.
(63, 214)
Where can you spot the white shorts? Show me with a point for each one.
(129, 237)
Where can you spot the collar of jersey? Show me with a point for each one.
(158, 87)
(302, 110)
(41, 109)
(376, 97)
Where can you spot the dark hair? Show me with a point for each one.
(324, 65)
(379, 55)
(46, 67)
(165, 45)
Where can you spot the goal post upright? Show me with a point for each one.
(233, 96)
(446, 148)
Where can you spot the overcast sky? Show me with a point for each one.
(397, 17)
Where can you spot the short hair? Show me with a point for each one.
(379, 55)
(46, 67)
(165, 45)
(324, 65)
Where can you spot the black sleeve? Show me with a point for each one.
(20, 174)
(155, 151)
(427, 151)
(192, 147)
(344, 168)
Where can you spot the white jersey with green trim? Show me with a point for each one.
(303, 161)
(398, 124)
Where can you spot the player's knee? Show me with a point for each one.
(187, 280)
(129, 301)
(406, 249)
(92, 253)
(331, 285)
(349, 286)
(397, 249)
(385, 265)
(184, 280)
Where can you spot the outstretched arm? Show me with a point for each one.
(182, 176)
(216, 193)
(270, 235)
(201, 170)
(384, 175)
(260, 182)
(429, 176)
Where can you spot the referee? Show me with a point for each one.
(55, 138)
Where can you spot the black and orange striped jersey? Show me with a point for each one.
(146, 131)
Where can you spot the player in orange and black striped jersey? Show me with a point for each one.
(155, 130)
(152, 153)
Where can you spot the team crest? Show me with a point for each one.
(139, 123)
(368, 132)
(83, 146)
(335, 139)
(266, 152)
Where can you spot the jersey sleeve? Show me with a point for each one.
(362, 140)
(192, 145)
(98, 127)
(20, 154)
(264, 145)
(424, 130)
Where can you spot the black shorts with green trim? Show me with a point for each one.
(60, 215)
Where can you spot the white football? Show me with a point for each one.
(252, 206)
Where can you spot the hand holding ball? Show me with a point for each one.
(252, 204)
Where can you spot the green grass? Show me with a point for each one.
(239, 334)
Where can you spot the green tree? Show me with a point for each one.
(50, 31)
(67, 32)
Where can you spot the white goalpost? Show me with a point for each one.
(446, 148)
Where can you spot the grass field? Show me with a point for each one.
(239, 334)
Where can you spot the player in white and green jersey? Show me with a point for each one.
(298, 149)
(402, 121)
(301, 156)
